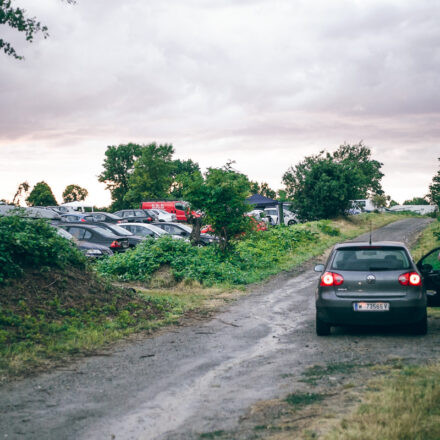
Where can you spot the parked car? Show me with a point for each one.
(30, 212)
(185, 231)
(259, 215)
(73, 217)
(90, 250)
(370, 284)
(133, 240)
(60, 209)
(137, 215)
(164, 216)
(272, 214)
(95, 234)
(101, 217)
(178, 208)
(146, 230)
(255, 226)
(91, 217)
(429, 266)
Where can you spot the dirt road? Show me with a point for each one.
(202, 378)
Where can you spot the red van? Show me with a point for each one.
(178, 208)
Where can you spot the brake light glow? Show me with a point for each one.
(331, 279)
(115, 244)
(410, 279)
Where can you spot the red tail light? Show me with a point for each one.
(83, 220)
(331, 279)
(410, 279)
(115, 244)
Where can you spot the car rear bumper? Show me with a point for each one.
(401, 311)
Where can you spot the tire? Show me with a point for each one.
(291, 222)
(421, 327)
(322, 328)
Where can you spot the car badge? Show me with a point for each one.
(371, 279)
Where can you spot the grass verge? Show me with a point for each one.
(405, 405)
(48, 317)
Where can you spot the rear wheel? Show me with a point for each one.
(291, 222)
(421, 327)
(322, 328)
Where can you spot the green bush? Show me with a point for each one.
(247, 261)
(28, 243)
(326, 228)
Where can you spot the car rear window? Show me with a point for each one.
(367, 259)
(104, 232)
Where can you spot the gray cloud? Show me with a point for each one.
(223, 80)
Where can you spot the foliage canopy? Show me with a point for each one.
(74, 193)
(221, 195)
(41, 195)
(28, 243)
(323, 185)
(434, 189)
(118, 165)
(152, 175)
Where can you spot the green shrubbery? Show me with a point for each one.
(28, 243)
(326, 228)
(248, 260)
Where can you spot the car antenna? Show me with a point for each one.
(371, 229)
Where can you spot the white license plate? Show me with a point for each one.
(371, 307)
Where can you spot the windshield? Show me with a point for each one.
(368, 259)
(104, 232)
(64, 234)
(155, 229)
(118, 230)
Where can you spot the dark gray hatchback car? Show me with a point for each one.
(370, 284)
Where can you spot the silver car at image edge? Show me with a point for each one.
(370, 284)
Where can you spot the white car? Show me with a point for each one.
(259, 215)
(164, 216)
(146, 230)
(289, 217)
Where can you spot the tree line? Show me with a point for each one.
(320, 186)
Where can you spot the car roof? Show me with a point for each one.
(81, 225)
(373, 244)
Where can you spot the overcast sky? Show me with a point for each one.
(264, 83)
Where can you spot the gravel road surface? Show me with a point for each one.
(201, 378)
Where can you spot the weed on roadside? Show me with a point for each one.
(299, 400)
(318, 372)
(404, 404)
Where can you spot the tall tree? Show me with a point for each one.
(41, 195)
(416, 201)
(22, 192)
(152, 175)
(221, 195)
(17, 19)
(118, 166)
(263, 189)
(74, 193)
(182, 169)
(323, 185)
(434, 189)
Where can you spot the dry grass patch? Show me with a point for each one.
(403, 405)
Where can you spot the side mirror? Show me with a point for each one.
(319, 268)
